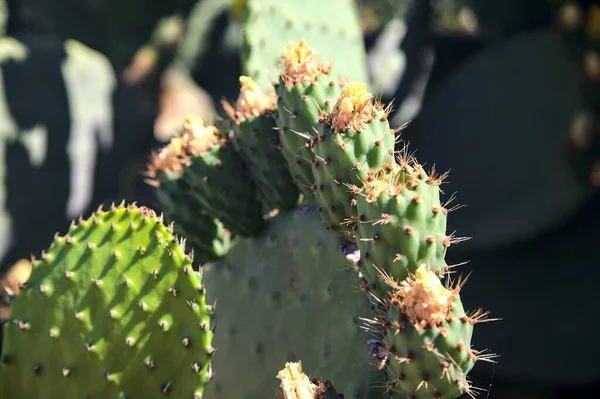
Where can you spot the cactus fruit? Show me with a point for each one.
(299, 298)
(257, 140)
(402, 222)
(426, 348)
(295, 384)
(206, 235)
(353, 143)
(270, 24)
(305, 90)
(217, 175)
(112, 310)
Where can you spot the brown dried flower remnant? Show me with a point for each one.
(301, 65)
(252, 101)
(295, 384)
(197, 137)
(167, 160)
(424, 300)
(353, 108)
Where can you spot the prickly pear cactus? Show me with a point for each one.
(270, 24)
(205, 234)
(426, 348)
(353, 143)
(215, 173)
(288, 295)
(112, 310)
(402, 223)
(306, 89)
(256, 138)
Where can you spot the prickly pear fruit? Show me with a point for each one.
(305, 90)
(205, 234)
(217, 175)
(112, 310)
(270, 24)
(354, 143)
(257, 140)
(310, 306)
(402, 223)
(295, 384)
(426, 349)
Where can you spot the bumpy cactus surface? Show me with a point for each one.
(402, 222)
(112, 309)
(353, 143)
(427, 341)
(288, 294)
(305, 89)
(205, 234)
(215, 173)
(257, 140)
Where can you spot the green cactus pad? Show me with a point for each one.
(206, 235)
(217, 175)
(288, 295)
(270, 24)
(112, 310)
(349, 155)
(402, 223)
(303, 97)
(426, 349)
(257, 140)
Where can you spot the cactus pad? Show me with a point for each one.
(112, 310)
(270, 24)
(206, 235)
(402, 222)
(257, 140)
(354, 143)
(305, 90)
(217, 175)
(288, 295)
(426, 350)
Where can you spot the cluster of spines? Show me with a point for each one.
(425, 309)
(356, 127)
(305, 92)
(383, 230)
